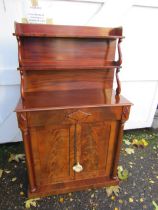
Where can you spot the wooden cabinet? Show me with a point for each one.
(71, 119)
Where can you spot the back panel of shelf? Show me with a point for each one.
(49, 52)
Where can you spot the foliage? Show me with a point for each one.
(155, 205)
(112, 189)
(16, 157)
(129, 151)
(31, 202)
(127, 142)
(1, 173)
(140, 143)
(122, 173)
(14, 179)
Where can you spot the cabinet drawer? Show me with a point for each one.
(69, 116)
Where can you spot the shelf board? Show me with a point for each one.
(52, 100)
(66, 31)
(66, 67)
(70, 36)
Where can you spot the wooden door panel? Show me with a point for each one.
(95, 138)
(53, 153)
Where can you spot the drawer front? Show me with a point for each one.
(69, 116)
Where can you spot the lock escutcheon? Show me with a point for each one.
(78, 168)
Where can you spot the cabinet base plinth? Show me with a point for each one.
(77, 185)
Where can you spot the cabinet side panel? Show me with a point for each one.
(36, 155)
(111, 147)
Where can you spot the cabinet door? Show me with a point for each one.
(53, 153)
(96, 143)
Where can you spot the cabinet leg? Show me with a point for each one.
(29, 160)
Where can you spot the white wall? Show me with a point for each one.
(9, 77)
(139, 73)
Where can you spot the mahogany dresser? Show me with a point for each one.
(70, 117)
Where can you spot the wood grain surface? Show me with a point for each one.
(71, 119)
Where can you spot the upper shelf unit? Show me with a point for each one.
(52, 47)
(42, 30)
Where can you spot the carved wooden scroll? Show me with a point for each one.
(22, 84)
(20, 63)
(125, 113)
(119, 62)
(77, 148)
(77, 117)
(118, 89)
(19, 50)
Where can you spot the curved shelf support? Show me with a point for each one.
(21, 72)
(119, 62)
(22, 84)
(19, 50)
(118, 89)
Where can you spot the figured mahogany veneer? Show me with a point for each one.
(41, 30)
(71, 119)
(67, 80)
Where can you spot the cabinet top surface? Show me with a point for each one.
(45, 30)
(53, 100)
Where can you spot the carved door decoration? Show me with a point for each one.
(77, 117)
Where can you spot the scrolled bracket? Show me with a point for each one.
(22, 83)
(118, 63)
(22, 121)
(118, 89)
(20, 64)
(19, 50)
(125, 114)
